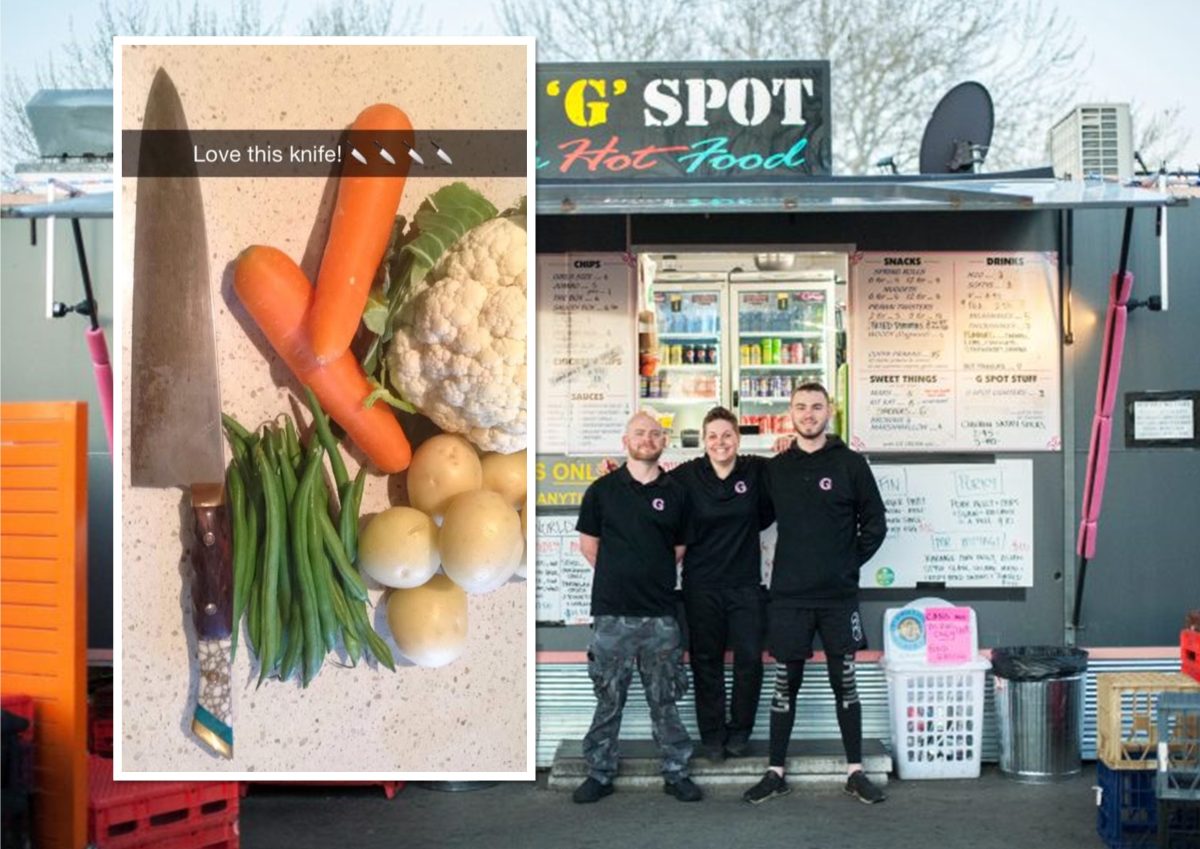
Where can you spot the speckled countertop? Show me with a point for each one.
(467, 717)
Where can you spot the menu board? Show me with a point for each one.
(954, 352)
(586, 352)
(563, 576)
(963, 524)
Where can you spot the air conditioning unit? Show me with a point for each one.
(1093, 140)
(72, 123)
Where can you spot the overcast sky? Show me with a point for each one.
(1139, 52)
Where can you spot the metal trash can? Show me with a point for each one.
(1039, 710)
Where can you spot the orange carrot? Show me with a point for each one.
(358, 237)
(279, 297)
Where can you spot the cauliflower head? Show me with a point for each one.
(458, 353)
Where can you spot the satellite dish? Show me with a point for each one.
(957, 136)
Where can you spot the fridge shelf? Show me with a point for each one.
(764, 399)
(690, 366)
(665, 334)
(780, 334)
(784, 367)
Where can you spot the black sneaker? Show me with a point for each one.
(771, 785)
(591, 791)
(685, 790)
(714, 752)
(859, 786)
(737, 748)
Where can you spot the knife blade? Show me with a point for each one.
(175, 412)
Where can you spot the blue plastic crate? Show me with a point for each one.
(1178, 824)
(1126, 816)
(1178, 723)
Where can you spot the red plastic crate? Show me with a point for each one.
(1189, 648)
(390, 788)
(22, 706)
(222, 836)
(100, 738)
(132, 814)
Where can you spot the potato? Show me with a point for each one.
(429, 622)
(505, 474)
(480, 540)
(398, 547)
(441, 468)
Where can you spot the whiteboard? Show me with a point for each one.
(586, 352)
(954, 352)
(965, 525)
(563, 576)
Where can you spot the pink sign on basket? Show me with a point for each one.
(948, 635)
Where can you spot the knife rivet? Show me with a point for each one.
(209, 537)
(210, 608)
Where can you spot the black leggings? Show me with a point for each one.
(788, 678)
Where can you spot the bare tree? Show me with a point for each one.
(1160, 138)
(606, 30)
(891, 59)
(354, 17)
(88, 59)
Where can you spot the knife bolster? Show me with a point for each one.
(208, 495)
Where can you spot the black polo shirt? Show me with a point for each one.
(727, 516)
(639, 526)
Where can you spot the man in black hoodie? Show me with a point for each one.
(830, 522)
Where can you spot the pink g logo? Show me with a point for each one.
(825, 484)
(658, 504)
(740, 487)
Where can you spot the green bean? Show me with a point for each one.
(276, 531)
(291, 657)
(237, 507)
(232, 424)
(341, 609)
(353, 646)
(253, 612)
(313, 649)
(348, 520)
(377, 646)
(350, 577)
(321, 574)
(331, 445)
(292, 442)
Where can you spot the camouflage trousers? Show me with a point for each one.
(653, 645)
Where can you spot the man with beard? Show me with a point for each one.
(830, 522)
(633, 529)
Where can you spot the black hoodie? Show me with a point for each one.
(831, 522)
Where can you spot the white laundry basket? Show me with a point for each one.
(936, 709)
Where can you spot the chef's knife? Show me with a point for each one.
(176, 405)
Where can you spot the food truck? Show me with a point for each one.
(695, 249)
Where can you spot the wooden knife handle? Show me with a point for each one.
(212, 563)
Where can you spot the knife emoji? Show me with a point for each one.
(175, 410)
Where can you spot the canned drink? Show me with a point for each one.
(645, 386)
(765, 347)
(776, 350)
(712, 354)
(763, 389)
(744, 354)
(676, 354)
(798, 353)
(664, 353)
(814, 354)
(755, 355)
(689, 354)
(785, 354)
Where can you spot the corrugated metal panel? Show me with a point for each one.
(565, 703)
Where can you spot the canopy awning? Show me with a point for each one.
(886, 193)
(98, 205)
